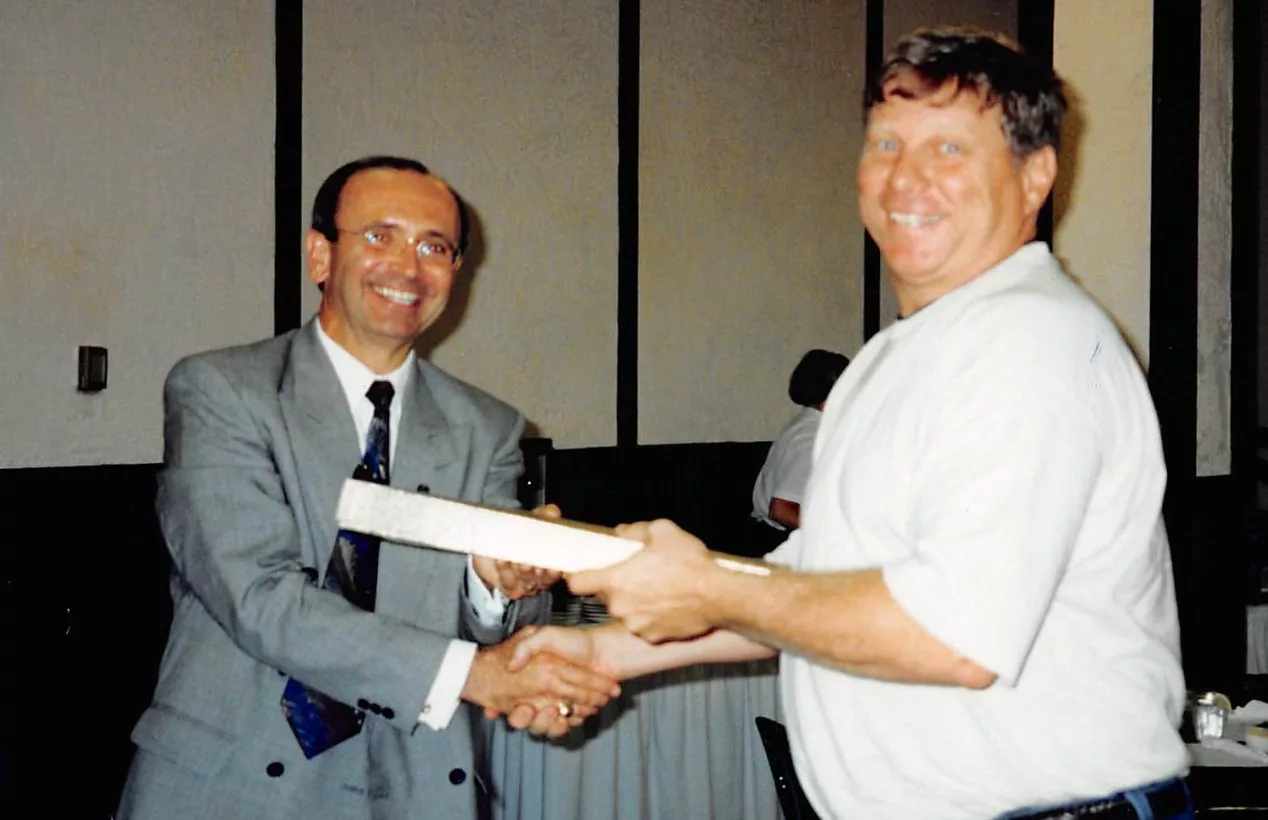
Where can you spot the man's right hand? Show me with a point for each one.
(538, 686)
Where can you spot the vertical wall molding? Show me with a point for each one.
(1246, 205)
(629, 40)
(287, 167)
(875, 51)
(1173, 291)
(1035, 20)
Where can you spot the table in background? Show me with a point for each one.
(1221, 782)
(679, 744)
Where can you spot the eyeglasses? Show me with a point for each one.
(390, 239)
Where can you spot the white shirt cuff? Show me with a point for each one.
(489, 605)
(446, 690)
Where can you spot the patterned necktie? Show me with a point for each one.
(318, 720)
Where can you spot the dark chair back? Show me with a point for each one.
(792, 800)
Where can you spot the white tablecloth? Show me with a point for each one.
(680, 744)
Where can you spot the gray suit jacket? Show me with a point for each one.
(258, 441)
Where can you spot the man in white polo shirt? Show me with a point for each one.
(979, 617)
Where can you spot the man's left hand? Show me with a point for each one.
(517, 580)
(662, 592)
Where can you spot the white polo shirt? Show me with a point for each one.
(998, 455)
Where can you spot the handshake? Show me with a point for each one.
(546, 680)
(549, 679)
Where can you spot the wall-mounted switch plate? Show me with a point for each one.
(92, 368)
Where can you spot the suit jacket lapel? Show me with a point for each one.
(324, 442)
(426, 452)
(323, 436)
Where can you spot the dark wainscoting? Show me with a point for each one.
(86, 613)
(86, 607)
(706, 488)
(1212, 538)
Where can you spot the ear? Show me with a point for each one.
(1038, 173)
(317, 248)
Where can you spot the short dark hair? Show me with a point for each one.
(814, 375)
(326, 203)
(1030, 94)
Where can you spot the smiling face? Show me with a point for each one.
(376, 302)
(943, 194)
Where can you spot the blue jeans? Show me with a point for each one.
(1137, 799)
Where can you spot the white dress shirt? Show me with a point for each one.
(489, 606)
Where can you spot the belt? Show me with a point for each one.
(1167, 799)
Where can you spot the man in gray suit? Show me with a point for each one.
(258, 441)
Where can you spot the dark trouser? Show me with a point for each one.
(1164, 800)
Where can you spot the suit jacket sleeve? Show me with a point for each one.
(230, 526)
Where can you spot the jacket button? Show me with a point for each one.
(389, 712)
(363, 704)
(457, 776)
(275, 769)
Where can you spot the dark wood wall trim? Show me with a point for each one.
(874, 51)
(629, 43)
(707, 489)
(1035, 21)
(1173, 256)
(1208, 545)
(1204, 516)
(1173, 259)
(287, 171)
(1246, 204)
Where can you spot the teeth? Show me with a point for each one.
(913, 220)
(400, 297)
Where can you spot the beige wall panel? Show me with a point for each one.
(1215, 229)
(1105, 53)
(750, 245)
(514, 102)
(137, 210)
